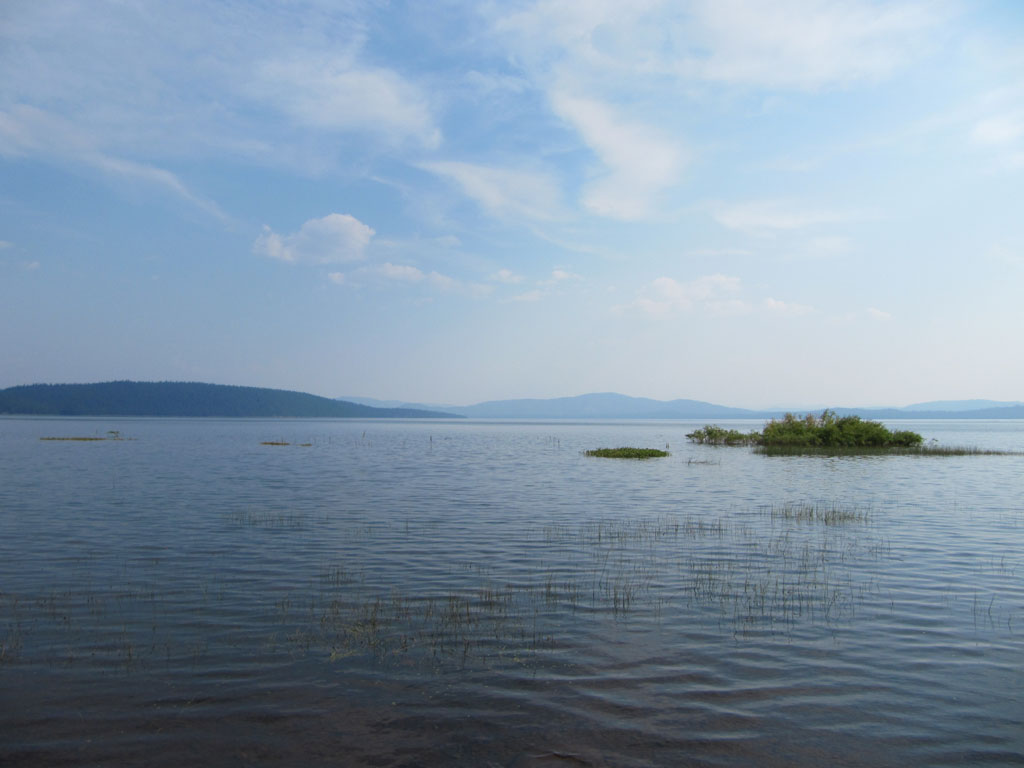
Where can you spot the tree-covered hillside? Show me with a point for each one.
(136, 398)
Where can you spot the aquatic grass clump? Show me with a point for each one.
(712, 434)
(829, 514)
(627, 453)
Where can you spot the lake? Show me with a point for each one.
(420, 593)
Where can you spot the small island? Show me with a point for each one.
(813, 434)
(626, 453)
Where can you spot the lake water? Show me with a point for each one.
(466, 593)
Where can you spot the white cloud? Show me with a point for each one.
(5, 244)
(559, 276)
(878, 314)
(529, 296)
(639, 162)
(506, 276)
(703, 290)
(400, 272)
(336, 94)
(791, 309)
(404, 273)
(337, 237)
(718, 295)
(338, 278)
(763, 217)
(503, 192)
(30, 266)
(804, 43)
(1003, 129)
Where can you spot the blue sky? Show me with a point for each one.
(801, 202)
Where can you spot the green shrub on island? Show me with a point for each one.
(825, 432)
(626, 453)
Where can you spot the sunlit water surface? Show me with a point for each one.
(467, 593)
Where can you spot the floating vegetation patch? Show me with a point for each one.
(112, 434)
(627, 453)
(76, 439)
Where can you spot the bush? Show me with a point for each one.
(810, 431)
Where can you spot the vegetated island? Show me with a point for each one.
(826, 433)
(188, 399)
(626, 453)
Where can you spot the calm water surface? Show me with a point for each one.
(469, 593)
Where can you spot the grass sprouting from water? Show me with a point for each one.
(829, 514)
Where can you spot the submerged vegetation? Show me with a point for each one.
(812, 433)
(627, 453)
(766, 573)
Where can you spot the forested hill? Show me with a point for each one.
(136, 398)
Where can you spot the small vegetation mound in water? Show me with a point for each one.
(715, 435)
(813, 433)
(112, 434)
(627, 453)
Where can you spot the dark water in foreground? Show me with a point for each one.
(460, 593)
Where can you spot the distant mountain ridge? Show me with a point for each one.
(186, 399)
(191, 399)
(610, 405)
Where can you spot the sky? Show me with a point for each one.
(802, 202)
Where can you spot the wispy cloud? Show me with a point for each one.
(400, 272)
(337, 94)
(804, 43)
(638, 161)
(406, 273)
(716, 294)
(26, 131)
(337, 237)
(999, 129)
(789, 308)
(506, 276)
(503, 192)
(766, 217)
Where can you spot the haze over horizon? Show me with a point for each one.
(742, 203)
